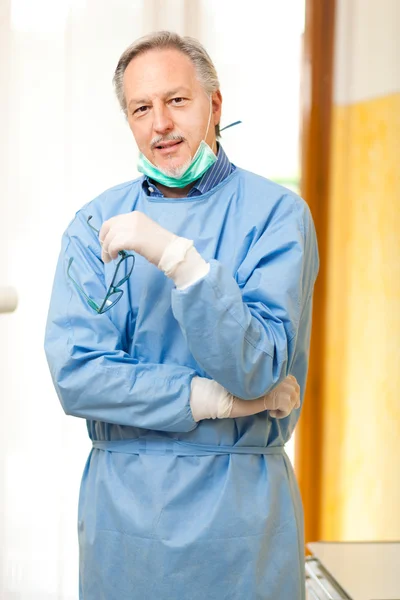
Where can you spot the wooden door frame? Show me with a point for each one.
(317, 101)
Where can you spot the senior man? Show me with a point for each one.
(178, 327)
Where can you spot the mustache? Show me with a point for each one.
(170, 137)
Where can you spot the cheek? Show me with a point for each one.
(192, 136)
(193, 128)
(141, 134)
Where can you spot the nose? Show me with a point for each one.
(162, 122)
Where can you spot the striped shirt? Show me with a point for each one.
(212, 177)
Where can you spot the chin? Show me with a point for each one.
(174, 168)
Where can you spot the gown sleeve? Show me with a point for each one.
(94, 377)
(242, 329)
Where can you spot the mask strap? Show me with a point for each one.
(209, 120)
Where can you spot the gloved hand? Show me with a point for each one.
(174, 255)
(209, 400)
(284, 398)
(134, 231)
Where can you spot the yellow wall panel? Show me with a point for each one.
(361, 456)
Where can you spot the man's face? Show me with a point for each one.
(168, 109)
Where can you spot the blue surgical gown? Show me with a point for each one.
(171, 509)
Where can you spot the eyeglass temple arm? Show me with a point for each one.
(91, 303)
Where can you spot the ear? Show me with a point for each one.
(216, 101)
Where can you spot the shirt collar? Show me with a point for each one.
(211, 178)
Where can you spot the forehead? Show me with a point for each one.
(155, 72)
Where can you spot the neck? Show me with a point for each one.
(175, 192)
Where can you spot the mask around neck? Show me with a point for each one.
(202, 160)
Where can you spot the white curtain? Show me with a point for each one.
(63, 140)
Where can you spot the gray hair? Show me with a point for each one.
(206, 72)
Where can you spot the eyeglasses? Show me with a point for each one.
(114, 293)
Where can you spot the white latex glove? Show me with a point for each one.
(174, 255)
(284, 398)
(135, 232)
(209, 400)
(182, 263)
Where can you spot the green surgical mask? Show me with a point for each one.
(202, 160)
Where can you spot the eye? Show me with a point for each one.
(178, 101)
(140, 110)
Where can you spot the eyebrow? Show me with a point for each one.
(173, 92)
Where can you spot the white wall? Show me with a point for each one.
(257, 54)
(63, 140)
(367, 50)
